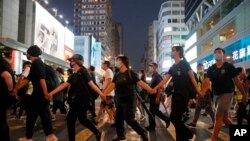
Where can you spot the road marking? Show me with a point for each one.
(222, 135)
(86, 133)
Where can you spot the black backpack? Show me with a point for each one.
(51, 79)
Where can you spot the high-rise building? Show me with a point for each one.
(218, 23)
(93, 17)
(171, 31)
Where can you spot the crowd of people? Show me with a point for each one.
(213, 90)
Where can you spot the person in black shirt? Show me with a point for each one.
(6, 87)
(125, 82)
(81, 84)
(223, 76)
(155, 99)
(39, 99)
(94, 95)
(183, 79)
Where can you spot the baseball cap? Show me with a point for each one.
(154, 64)
(76, 57)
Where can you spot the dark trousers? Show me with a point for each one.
(91, 107)
(4, 128)
(154, 109)
(58, 105)
(40, 108)
(125, 110)
(79, 110)
(23, 104)
(241, 113)
(179, 106)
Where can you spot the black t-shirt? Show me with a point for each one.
(180, 77)
(37, 72)
(4, 93)
(156, 79)
(125, 83)
(79, 85)
(222, 78)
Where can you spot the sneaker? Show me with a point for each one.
(191, 124)
(119, 139)
(100, 136)
(167, 122)
(144, 136)
(211, 127)
(24, 139)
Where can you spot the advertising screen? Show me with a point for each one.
(68, 38)
(96, 56)
(49, 33)
(82, 46)
(237, 52)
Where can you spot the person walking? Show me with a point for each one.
(39, 98)
(58, 99)
(26, 90)
(155, 99)
(108, 104)
(203, 102)
(7, 81)
(183, 81)
(81, 83)
(222, 73)
(125, 81)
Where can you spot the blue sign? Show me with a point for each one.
(237, 52)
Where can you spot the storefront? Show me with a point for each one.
(15, 52)
(237, 53)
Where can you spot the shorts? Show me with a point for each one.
(223, 103)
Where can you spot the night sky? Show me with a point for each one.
(135, 15)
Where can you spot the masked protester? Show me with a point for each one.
(39, 98)
(223, 76)
(125, 81)
(183, 80)
(80, 83)
(203, 102)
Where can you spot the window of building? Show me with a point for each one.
(175, 21)
(174, 12)
(227, 32)
(169, 20)
(176, 29)
(175, 5)
(208, 45)
(166, 5)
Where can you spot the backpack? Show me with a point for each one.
(51, 78)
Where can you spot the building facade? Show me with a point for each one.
(219, 23)
(171, 31)
(27, 22)
(94, 17)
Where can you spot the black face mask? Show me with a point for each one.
(71, 65)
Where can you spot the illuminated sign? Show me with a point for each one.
(237, 52)
(49, 33)
(82, 46)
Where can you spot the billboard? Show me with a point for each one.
(82, 46)
(96, 50)
(68, 38)
(237, 52)
(49, 33)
